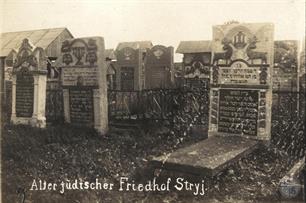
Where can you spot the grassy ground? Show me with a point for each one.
(67, 153)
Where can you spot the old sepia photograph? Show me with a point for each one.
(152, 101)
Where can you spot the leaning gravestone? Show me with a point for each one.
(29, 80)
(241, 82)
(84, 82)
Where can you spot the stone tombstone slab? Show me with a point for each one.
(84, 82)
(29, 79)
(81, 106)
(24, 94)
(130, 69)
(241, 80)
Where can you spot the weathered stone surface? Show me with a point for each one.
(207, 157)
(29, 80)
(84, 82)
(242, 62)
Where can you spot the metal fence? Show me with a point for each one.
(288, 124)
(158, 104)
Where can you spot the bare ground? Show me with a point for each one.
(67, 153)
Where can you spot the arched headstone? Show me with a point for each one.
(29, 79)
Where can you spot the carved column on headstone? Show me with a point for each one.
(13, 115)
(40, 83)
(35, 97)
(213, 113)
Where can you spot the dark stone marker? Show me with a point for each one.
(159, 67)
(238, 111)
(81, 106)
(127, 78)
(24, 94)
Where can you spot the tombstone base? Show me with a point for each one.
(34, 122)
(199, 131)
(262, 137)
(38, 122)
(101, 131)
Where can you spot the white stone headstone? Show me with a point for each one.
(84, 82)
(29, 81)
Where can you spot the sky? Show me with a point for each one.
(165, 22)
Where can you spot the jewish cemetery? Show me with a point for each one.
(131, 123)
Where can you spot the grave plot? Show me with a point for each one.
(84, 83)
(29, 86)
(240, 102)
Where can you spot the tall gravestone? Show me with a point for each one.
(29, 80)
(241, 80)
(159, 67)
(130, 69)
(84, 82)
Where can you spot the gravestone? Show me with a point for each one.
(159, 67)
(196, 69)
(29, 79)
(240, 101)
(241, 80)
(84, 82)
(129, 69)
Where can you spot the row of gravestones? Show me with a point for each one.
(241, 84)
(138, 69)
(83, 81)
